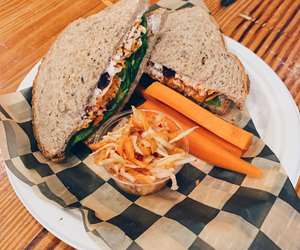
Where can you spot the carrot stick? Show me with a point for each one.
(227, 131)
(216, 155)
(208, 149)
(185, 123)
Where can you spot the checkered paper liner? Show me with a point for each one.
(212, 209)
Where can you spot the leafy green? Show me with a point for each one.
(127, 76)
(214, 102)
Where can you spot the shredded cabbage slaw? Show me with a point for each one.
(143, 149)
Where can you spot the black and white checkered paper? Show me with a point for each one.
(212, 209)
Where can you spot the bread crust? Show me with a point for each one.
(245, 81)
(59, 156)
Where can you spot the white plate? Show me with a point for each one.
(274, 113)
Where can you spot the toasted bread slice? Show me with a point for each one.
(70, 71)
(192, 47)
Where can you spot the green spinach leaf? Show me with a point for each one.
(214, 102)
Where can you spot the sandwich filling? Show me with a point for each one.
(114, 84)
(212, 100)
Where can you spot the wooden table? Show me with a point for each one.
(270, 28)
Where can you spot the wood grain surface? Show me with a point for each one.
(270, 28)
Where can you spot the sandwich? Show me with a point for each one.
(191, 58)
(89, 73)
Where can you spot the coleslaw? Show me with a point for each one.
(144, 148)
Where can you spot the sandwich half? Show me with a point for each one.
(89, 73)
(190, 57)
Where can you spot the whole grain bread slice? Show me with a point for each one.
(192, 45)
(70, 71)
